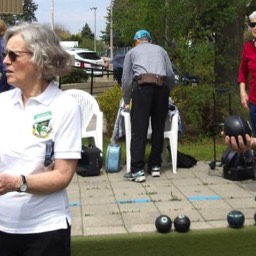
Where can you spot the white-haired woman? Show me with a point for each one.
(37, 119)
(248, 69)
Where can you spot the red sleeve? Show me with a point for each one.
(243, 69)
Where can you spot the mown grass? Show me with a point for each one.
(202, 148)
(218, 241)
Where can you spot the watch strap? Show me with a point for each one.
(23, 182)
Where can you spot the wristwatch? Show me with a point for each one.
(23, 185)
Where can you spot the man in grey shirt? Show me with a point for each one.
(147, 79)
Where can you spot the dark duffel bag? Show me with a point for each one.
(185, 160)
(238, 166)
(91, 161)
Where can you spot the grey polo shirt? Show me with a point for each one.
(142, 59)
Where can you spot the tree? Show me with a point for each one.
(228, 45)
(86, 32)
(29, 8)
(61, 31)
(29, 11)
(198, 35)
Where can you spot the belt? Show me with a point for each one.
(150, 79)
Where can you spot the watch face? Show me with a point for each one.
(23, 187)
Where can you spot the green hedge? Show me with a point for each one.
(76, 75)
(196, 106)
(109, 102)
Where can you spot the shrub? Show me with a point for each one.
(109, 102)
(195, 104)
(76, 75)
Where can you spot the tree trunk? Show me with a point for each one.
(229, 42)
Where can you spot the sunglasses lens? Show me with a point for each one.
(252, 24)
(12, 55)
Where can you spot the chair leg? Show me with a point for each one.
(173, 148)
(127, 123)
(128, 155)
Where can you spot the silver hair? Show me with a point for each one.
(51, 59)
(252, 16)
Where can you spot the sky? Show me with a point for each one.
(74, 14)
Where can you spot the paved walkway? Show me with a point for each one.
(107, 204)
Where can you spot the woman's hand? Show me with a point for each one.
(244, 100)
(9, 183)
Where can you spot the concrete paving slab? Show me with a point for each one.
(231, 190)
(242, 203)
(102, 220)
(104, 230)
(107, 204)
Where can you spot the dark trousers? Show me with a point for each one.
(148, 101)
(53, 243)
(252, 110)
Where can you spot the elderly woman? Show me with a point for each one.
(248, 67)
(40, 135)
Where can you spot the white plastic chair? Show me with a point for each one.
(90, 109)
(170, 133)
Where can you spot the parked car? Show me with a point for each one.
(87, 59)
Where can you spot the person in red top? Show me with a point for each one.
(248, 67)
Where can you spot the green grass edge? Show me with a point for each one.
(217, 241)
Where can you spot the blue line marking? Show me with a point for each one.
(203, 198)
(74, 204)
(132, 201)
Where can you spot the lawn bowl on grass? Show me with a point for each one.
(163, 224)
(235, 219)
(182, 223)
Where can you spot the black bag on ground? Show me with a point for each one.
(91, 161)
(238, 166)
(185, 161)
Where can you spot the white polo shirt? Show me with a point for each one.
(24, 131)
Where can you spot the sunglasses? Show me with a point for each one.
(252, 24)
(13, 55)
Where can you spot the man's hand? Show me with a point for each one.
(238, 144)
(126, 107)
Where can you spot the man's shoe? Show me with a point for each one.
(155, 171)
(137, 176)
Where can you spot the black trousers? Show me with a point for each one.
(53, 243)
(148, 100)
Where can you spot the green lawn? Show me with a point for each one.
(214, 242)
(200, 148)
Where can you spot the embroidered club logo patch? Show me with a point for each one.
(42, 124)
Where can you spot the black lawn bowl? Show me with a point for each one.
(236, 125)
(182, 223)
(163, 224)
(235, 219)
